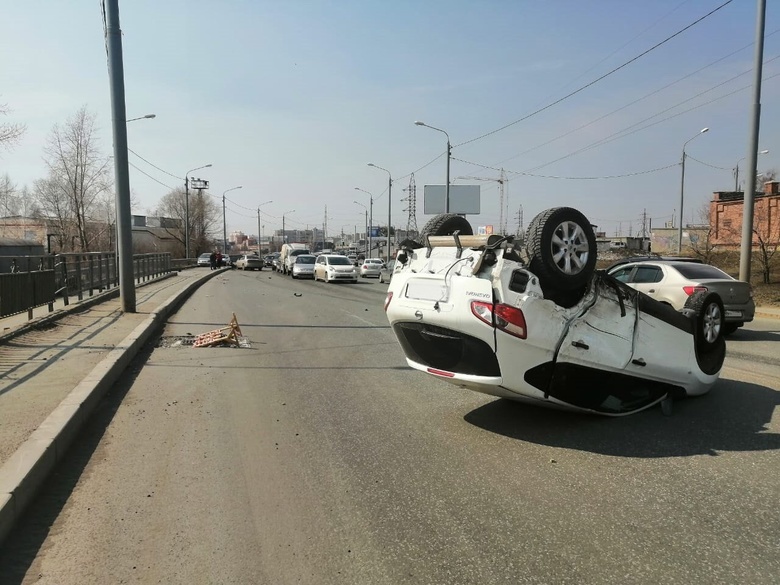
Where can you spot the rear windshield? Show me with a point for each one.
(340, 260)
(699, 271)
(305, 260)
(298, 252)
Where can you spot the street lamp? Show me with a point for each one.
(367, 237)
(449, 155)
(224, 222)
(682, 190)
(389, 203)
(370, 215)
(259, 228)
(187, 209)
(284, 236)
(146, 117)
(736, 170)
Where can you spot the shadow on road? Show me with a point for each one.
(732, 417)
(752, 335)
(22, 545)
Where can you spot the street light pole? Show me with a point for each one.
(124, 226)
(224, 222)
(736, 170)
(682, 190)
(449, 156)
(284, 236)
(368, 255)
(146, 117)
(259, 231)
(187, 209)
(389, 204)
(370, 215)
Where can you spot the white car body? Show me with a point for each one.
(303, 267)
(334, 268)
(371, 267)
(473, 317)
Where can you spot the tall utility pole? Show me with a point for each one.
(750, 168)
(520, 222)
(124, 228)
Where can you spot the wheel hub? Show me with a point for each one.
(570, 247)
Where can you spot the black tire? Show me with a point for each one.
(729, 328)
(561, 246)
(708, 314)
(446, 224)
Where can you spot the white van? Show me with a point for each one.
(288, 254)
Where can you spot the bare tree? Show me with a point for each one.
(8, 203)
(78, 175)
(10, 133)
(702, 239)
(767, 233)
(204, 217)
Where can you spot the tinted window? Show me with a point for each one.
(699, 271)
(647, 274)
(304, 260)
(340, 260)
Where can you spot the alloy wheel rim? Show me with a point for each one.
(570, 248)
(713, 320)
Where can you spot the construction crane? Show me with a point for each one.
(503, 197)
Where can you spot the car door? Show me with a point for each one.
(647, 279)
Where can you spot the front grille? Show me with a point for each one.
(445, 349)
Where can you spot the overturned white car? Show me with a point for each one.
(548, 328)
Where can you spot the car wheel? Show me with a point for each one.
(294, 277)
(707, 309)
(381, 279)
(561, 246)
(446, 224)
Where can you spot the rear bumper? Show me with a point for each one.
(742, 313)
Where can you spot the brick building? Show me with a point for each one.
(726, 216)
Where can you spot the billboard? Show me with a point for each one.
(374, 230)
(485, 230)
(464, 199)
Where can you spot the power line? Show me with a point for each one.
(616, 69)
(636, 101)
(150, 176)
(155, 166)
(527, 174)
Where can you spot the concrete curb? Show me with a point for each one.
(23, 474)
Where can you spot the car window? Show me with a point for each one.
(699, 271)
(340, 261)
(623, 274)
(645, 274)
(304, 260)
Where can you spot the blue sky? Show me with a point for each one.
(291, 99)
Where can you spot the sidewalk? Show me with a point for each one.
(55, 369)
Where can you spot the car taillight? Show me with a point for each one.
(365, 265)
(388, 298)
(509, 319)
(689, 290)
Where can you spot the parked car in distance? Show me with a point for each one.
(371, 267)
(204, 259)
(386, 274)
(353, 259)
(249, 262)
(303, 267)
(234, 258)
(269, 259)
(333, 268)
(225, 260)
(674, 282)
(651, 258)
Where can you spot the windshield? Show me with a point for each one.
(305, 260)
(339, 261)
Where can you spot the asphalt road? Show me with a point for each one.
(316, 456)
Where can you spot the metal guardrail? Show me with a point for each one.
(35, 281)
